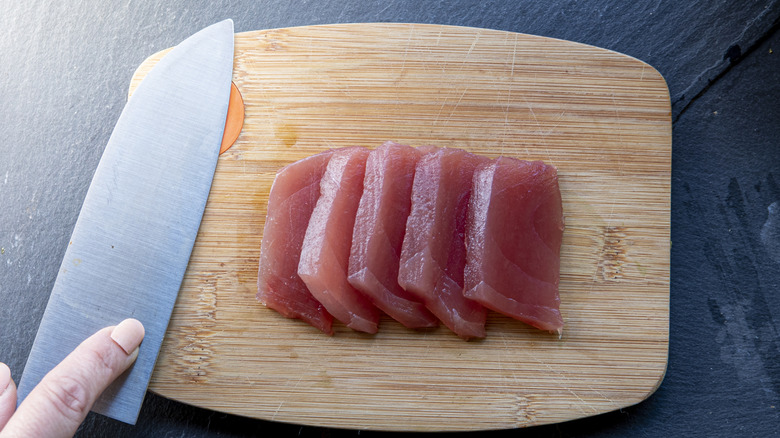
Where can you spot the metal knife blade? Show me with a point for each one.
(136, 229)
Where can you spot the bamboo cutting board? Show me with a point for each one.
(601, 117)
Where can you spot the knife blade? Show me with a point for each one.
(134, 235)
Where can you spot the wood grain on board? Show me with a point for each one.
(601, 117)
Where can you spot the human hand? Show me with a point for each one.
(61, 401)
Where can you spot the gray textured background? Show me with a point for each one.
(64, 73)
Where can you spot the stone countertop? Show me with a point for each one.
(64, 72)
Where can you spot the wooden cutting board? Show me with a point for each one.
(601, 117)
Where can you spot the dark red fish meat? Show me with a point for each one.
(378, 234)
(292, 199)
(326, 247)
(513, 241)
(433, 255)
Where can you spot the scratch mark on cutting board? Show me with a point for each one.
(514, 57)
(509, 97)
(298, 382)
(456, 106)
(565, 383)
(427, 352)
(436, 119)
(406, 54)
(542, 135)
(454, 88)
(619, 129)
(473, 44)
(278, 408)
(506, 121)
(611, 212)
(501, 363)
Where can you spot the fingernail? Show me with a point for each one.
(128, 334)
(5, 377)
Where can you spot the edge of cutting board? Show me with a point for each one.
(487, 91)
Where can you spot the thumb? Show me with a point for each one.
(7, 395)
(61, 401)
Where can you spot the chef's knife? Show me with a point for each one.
(136, 229)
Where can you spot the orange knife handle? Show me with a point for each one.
(235, 119)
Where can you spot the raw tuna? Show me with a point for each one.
(513, 241)
(434, 249)
(379, 233)
(293, 196)
(325, 252)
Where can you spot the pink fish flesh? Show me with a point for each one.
(513, 241)
(378, 235)
(326, 247)
(433, 255)
(292, 199)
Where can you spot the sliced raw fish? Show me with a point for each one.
(325, 251)
(378, 235)
(292, 199)
(513, 241)
(433, 255)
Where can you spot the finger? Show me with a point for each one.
(61, 401)
(7, 395)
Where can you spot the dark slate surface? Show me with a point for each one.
(726, 252)
(64, 72)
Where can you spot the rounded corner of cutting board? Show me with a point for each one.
(601, 117)
(143, 68)
(661, 376)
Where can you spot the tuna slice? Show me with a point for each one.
(513, 241)
(293, 196)
(325, 252)
(379, 233)
(434, 249)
